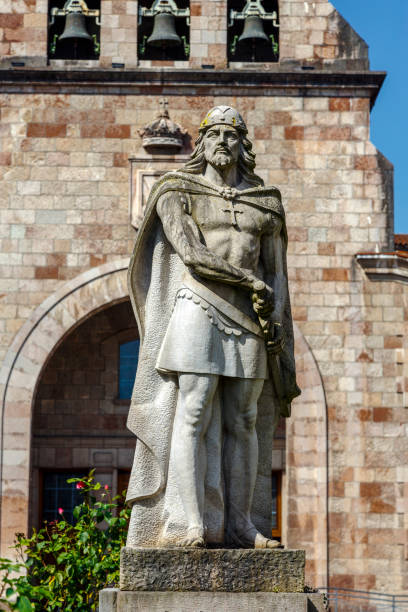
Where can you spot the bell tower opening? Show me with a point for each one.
(164, 30)
(253, 31)
(74, 29)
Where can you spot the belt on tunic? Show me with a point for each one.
(222, 305)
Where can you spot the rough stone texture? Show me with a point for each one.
(111, 600)
(184, 569)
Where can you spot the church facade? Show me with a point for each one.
(86, 128)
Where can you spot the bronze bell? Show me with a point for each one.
(253, 29)
(164, 32)
(75, 27)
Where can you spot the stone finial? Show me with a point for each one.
(162, 134)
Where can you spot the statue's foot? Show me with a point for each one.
(250, 537)
(263, 542)
(195, 538)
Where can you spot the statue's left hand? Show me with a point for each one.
(276, 338)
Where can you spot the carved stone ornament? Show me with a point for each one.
(162, 135)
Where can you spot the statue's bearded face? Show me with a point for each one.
(221, 146)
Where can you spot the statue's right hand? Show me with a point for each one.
(262, 299)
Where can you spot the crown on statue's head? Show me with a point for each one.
(224, 115)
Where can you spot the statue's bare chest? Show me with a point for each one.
(213, 214)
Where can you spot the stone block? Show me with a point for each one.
(113, 600)
(108, 600)
(238, 570)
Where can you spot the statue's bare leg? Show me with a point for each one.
(193, 415)
(240, 398)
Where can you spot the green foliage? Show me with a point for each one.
(66, 565)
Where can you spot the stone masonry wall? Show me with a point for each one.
(367, 434)
(310, 32)
(64, 208)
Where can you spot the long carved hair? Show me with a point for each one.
(246, 160)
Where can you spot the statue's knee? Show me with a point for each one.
(243, 423)
(193, 416)
(249, 421)
(193, 420)
(195, 404)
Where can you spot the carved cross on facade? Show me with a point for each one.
(164, 107)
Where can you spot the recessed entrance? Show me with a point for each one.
(80, 410)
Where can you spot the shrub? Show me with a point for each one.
(66, 565)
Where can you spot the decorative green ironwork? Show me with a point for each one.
(275, 44)
(233, 46)
(142, 46)
(97, 44)
(186, 46)
(53, 45)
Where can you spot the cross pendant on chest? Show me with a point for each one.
(234, 212)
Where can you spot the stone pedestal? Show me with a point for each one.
(210, 580)
(201, 569)
(114, 600)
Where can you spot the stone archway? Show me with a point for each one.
(32, 347)
(35, 343)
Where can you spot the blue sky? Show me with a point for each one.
(384, 27)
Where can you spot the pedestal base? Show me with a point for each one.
(113, 600)
(210, 580)
(220, 569)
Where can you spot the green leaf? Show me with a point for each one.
(62, 557)
(76, 512)
(23, 604)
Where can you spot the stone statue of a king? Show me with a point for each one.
(208, 283)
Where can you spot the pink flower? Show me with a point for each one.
(106, 487)
(60, 510)
(80, 485)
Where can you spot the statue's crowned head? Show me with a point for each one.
(227, 116)
(223, 115)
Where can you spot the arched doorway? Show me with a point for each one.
(80, 411)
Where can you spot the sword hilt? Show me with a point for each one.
(260, 288)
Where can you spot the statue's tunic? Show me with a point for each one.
(202, 339)
(158, 281)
